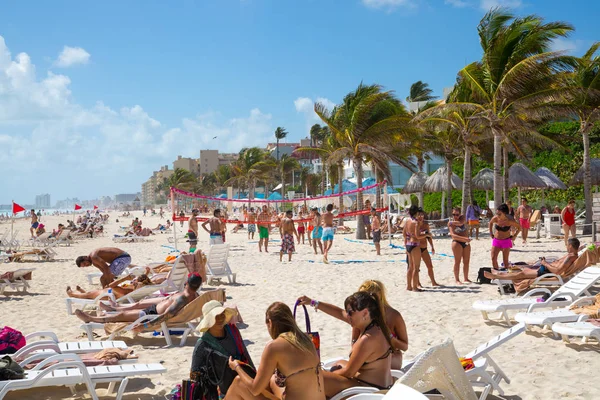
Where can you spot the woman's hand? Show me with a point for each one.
(304, 300)
(233, 364)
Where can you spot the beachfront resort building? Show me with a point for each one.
(189, 164)
(210, 160)
(150, 193)
(42, 201)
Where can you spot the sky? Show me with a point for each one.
(94, 96)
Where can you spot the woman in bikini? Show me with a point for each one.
(370, 361)
(412, 236)
(568, 218)
(502, 239)
(459, 232)
(119, 288)
(424, 229)
(291, 355)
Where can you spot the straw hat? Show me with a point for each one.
(210, 311)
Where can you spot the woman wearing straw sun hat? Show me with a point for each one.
(220, 341)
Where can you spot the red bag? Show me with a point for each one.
(314, 336)
(11, 340)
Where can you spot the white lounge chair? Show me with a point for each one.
(398, 391)
(546, 319)
(564, 296)
(50, 340)
(69, 370)
(18, 282)
(217, 266)
(583, 329)
(131, 239)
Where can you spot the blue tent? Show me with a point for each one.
(259, 195)
(346, 186)
(222, 196)
(369, 182)
(275, 196)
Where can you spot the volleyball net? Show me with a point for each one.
(236, 208)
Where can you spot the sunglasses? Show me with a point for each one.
(456, 215)
(350, 312)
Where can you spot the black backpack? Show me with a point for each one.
(10, 369)
(481, 279)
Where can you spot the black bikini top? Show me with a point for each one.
(502, 228)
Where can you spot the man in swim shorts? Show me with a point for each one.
(328, 231)
(301, 227)
(264, 223)
(317, 231)
(524, 212)
(251, 222)
(111, 261)
(287, 231)
(376, 230)
(193, 230)
(216, 228)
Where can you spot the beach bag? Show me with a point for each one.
(11, 340)
(481, 279)
(314, 336)
(10, 369)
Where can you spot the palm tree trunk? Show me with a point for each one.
(377, 190)
(323, 178)
(282, 184)
(497, 168)
(340, 181)
(505, 178)
(277, 149)
(420, 198)
(587, 178)
(358, 171)
(449, 186)
(466, 188)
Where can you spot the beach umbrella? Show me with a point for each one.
(415, 185)
(551, 180)
(437, 182)
(275, 196)
(521, 177)
(578, 177)
(346, 187)
(484, 180)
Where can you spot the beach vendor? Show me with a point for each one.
(111, 261)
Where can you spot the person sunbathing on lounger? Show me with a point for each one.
(119, 287)
(543, 267)
(163, 307)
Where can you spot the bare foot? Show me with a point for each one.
(417, 290)
(325, 260)
(82, 316)
(435, 284)
(102, 305)
(409, 289)
(69, 291)
(468, 281)
(459, 283)
(79, 289)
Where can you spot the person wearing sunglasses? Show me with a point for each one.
(500, 227)
(370, 361)
(459, 232)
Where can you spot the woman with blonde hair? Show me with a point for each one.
(393, 320)
(289, 365)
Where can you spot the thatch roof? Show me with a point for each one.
(578, 177)
(437, 181)
(551, 180)
(415, 183)
(520, 176)
(484, 180)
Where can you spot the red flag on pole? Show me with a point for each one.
(95, 207)
(17, 208)
(77, 207)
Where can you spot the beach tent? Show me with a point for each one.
(275, 196)
(346, 186)
(484, 180)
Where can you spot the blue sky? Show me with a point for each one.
(94, 96)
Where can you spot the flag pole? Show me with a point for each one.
(12, 220)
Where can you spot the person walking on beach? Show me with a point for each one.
(111, 261)
(264, 224)
(328, 231)
(216, 230)
(317, 230)
(193, 230)
(473, 213)
(251, 222)
(568, 218)
(376, 230)
(523, 213)
(287, 231)
(34, 224)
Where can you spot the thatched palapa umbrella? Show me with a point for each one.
(551, 180)
(415, 185)
(578, 177)
(521, 177)
(437, 182)
(484, 180)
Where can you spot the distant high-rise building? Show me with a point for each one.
(150, 188)
(210, 160)
(189, 164)
(42, 201)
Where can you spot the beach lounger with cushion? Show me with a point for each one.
(583, 329)
(69, 370)
(186, 320)
(217, 266)
(564, 296)
(18, 280)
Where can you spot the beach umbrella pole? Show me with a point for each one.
(487, 198)
(12, 221)
(389, 213)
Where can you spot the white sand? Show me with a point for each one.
(540, 366)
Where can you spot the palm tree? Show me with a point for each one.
(286, 165)
(183, 179)
(222, 174)
(369, 123)
(514, 77)
(280, 133)
(251, 166)
(421, 93)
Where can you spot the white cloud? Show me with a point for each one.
(51, 144)
(72, 56)
(388, 5)
(568, 45)
(305, 105)
(456, 3)
(488, 4)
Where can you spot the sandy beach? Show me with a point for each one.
(540, 366)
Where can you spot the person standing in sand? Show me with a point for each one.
(111, 261)
(317, 230)
(251, 223)
(301, 227)
(193, 230)
(376, 230)
(34, 224)
(568, 218)
(523, 213)
(425, 257)
(216, 229)
(181, 215)
(264, 224)
(459, 232)
(473, 213)
(328, 231)
(500, 227)
(287, 231)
